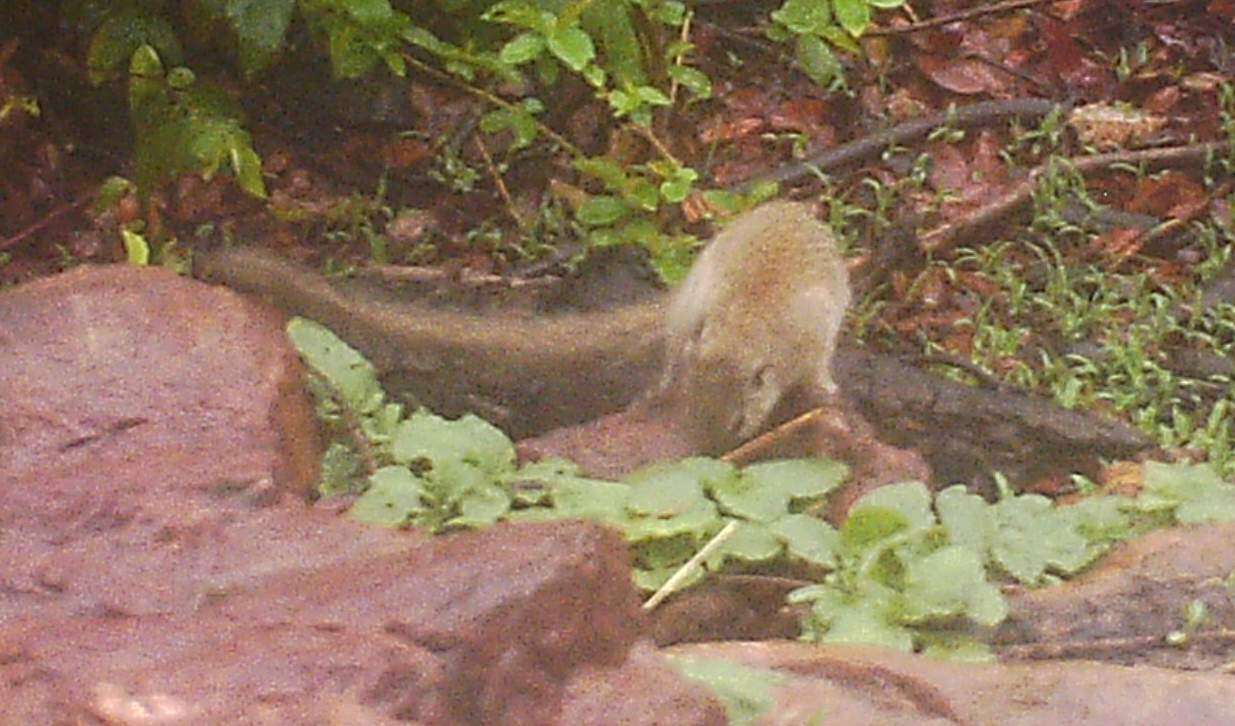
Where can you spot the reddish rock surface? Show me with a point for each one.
(861, 685)
(163, 565)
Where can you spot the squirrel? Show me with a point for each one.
(756, 319)
(757, 316)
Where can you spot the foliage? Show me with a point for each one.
(437, 474)
(634, 56)
(1135, 321)
(182, 126)
(913, 576)
(1049, 310)
(906, 570)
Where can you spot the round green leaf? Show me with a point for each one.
(817, 60)
(393, 496)
(601, 210)
(573, 47)
(809, 538)
(853, 15)
(522, 48)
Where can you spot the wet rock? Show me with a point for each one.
(163, 563)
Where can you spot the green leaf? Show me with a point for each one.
(340, 469)
(676, 189)
(663, 492)
(1033, 538)
(693, 80)
(799, 478)
(393, 497)
(348, 373)
(572, 46)
(367, 12)
(595, 76)
(952, 581)
(119, 37)
(522, 48)
(610, 24)
(911, 500)
(867, 526)
(866, 623)
(350, 55)
(809, 538)
(968, 519)
(136, 249)
(853, 15)
(652, 96)
(260, 27)
(1101, 520)
(886, 4)
(749, 542)
(604, 501)
(481, 507)
(521, 14)
(642, 195)
(763, 491)
(669, 12)
(697, 524)
(743, 497)
(609, 172)
(469, 439)
(601, 210)
(746, 692)
(817, 60)
(1200, 495)
(842, 40)
(247, 166)
(803, 16)
(519, 121)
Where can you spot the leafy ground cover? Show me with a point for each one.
(521, 135)
(907, 569)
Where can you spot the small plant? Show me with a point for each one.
(816, 27)
(425, 471)
(905, 570)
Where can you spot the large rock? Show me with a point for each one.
(163, 564)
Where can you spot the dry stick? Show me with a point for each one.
(946, 236)
(48, 219)
(500, 183)
(749, 450)
(1003, 7)
(684, 39)
(489, 97)
(688, 569)
(656, 143)
(872, 145)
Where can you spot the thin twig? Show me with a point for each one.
(872, 145)
(971, 13)
(747, 451)
(947, 235)
(500, 183)
(684, 38)
(685, 571)
(46, 220)
(656, 143)
(489, 97)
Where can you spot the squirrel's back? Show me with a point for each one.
(757, 316)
